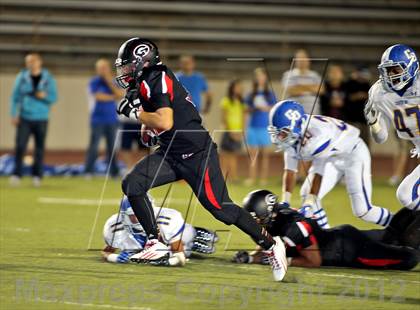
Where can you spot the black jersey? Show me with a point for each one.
(343, 245)
(296, 231)
(159, 88)
(299, 232)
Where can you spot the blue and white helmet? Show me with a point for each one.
(286, 123)
(403, 57)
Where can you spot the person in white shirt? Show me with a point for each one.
(395, 99)
(302, 84)
(335, 150)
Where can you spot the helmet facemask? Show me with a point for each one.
(129, 72)
(282, 138)
(394, 75)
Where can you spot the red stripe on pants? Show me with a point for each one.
(209, 190)
(378, 262)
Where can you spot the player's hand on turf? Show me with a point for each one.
(241, 257)
(128, 109)
(371, 113)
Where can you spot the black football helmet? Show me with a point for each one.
(261, 204)
(133, 56)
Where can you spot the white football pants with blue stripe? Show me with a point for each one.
(356, 171)
(408, 193)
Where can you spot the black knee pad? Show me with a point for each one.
(132, 185)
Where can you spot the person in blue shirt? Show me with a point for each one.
(259, 103)
(34, 93)
(103, 94)
(195, 83)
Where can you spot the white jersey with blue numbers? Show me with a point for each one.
(123, 231)
(401, 111)
(326, 139)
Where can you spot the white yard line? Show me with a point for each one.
(106, 306)
(94, 202)
(73, 201)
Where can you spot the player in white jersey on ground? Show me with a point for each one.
(123, 231)
(395, 99)
(336, 151)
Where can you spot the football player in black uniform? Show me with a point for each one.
(343, 246)
(186, 151)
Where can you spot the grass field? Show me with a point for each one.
(45, 263)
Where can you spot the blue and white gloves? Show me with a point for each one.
(312, 208)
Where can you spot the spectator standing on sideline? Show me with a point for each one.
(131, 134)
(103, 93)
(259, 103)
(195, 83)
(334, 96)
(357, 92)
(302, 84)
(233, 113)
(34, 92)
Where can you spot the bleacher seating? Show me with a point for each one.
(72, 33)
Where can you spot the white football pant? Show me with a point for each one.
(408, 193)
(356, 170)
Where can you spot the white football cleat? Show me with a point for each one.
(153, 250)
(277, 258)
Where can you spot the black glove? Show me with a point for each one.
(132, 95)
(241, 257)
(128, 109)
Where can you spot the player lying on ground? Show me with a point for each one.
(123, 232)
(395, 99)
(343, 246)
(186, 151)
(336, 151)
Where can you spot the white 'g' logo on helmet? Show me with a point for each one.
(141, 50)
(293, 116)
(270, 200)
